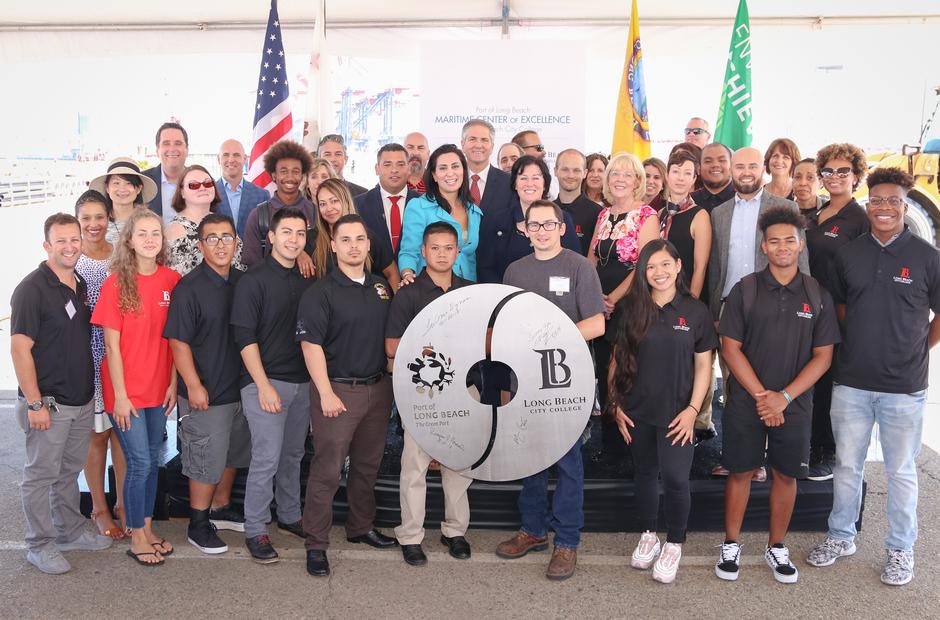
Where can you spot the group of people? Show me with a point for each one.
(262, 318)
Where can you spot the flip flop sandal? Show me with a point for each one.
(162, 542)
(137, 559)
(114, 533)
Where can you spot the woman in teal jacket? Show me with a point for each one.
(447, 198)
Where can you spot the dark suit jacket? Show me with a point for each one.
(370, 208)
(156, 173)
(354, 190)
(721, 240)
(252, 196)
(497, 193)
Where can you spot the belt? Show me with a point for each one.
(357, 381)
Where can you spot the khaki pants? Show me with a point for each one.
(413, 493)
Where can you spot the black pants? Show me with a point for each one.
(822, 422)
(653, 455)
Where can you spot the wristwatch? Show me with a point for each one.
(36, 406)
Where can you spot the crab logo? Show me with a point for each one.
(432, 371)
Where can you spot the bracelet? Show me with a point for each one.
(694, 408)
(787, 396)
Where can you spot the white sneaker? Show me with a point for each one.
(830, 550)
(778, 559)
(899, 567)
(668, 563)
(646, 551)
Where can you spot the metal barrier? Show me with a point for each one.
(37, 191)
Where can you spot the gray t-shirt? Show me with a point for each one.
(569, 280)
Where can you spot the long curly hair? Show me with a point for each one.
(124, 261)
(635, 313)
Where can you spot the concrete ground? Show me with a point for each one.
(369, 583)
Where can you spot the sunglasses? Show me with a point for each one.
(695, 130)
(828, 173)
(537, 147)
(194, 185)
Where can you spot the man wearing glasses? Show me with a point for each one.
(332, 148)
(697, 133)
(530, 143)
(213, 431)
(884, 286)
(569, 281)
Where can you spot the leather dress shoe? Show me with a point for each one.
(457, 546)
(295, 528)
(414, 555)
(374, 538)
(317, 563)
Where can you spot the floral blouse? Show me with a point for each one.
(622, 233)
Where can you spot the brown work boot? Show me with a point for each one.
(564, 559)
(521, 544)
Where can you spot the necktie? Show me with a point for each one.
(395, 221)
(475, 189)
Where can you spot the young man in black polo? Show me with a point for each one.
(275, 388)
(51, 349)
(777, 332)
(885, 284)
(213, 431)
(341, 329)
(568, 280)
(439, 249)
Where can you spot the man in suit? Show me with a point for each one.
(383, 206)
(237, 196)
(489, 186)
(332, 148)
(172, 149)
(735, 235)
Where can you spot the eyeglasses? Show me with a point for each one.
(877, 201)
(695, 130)
(213, 240)
(827, 173)
(537, 147)
(549, 225)
(194, 185)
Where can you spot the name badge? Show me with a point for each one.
(559, 285)
(70, 309)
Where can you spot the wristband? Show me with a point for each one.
(694, 408)
(787, 396)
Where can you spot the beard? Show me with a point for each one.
(748, 188)
(415, 165)
(716, 185)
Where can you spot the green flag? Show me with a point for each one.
(733, 128)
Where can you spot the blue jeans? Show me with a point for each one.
(141, 445)
(900, 422)
(567, 514)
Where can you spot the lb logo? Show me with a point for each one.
(904, 277)
(681, 325)
(493, 382)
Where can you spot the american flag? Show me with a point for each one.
(272, 103)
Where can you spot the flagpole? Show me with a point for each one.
(318, 90)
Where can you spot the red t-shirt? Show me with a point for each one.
(144, 351)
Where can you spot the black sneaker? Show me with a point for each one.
(227, 518)
(261, 550)
(778, 559)
(820, 471)
(202, 536)
(729, 562)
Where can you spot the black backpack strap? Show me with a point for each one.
(748, 293)
(264, 224)
(814, 293)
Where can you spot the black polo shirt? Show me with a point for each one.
(347, 319)
(412, 299)
(666, 361)
(778, 337)
(888, 294)
(584, 212)
(199, 316)
(705, 198)
(57, 320)
(264, 312)
(824, 240)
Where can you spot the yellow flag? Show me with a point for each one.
(631, 124)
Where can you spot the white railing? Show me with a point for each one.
(37, 191)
